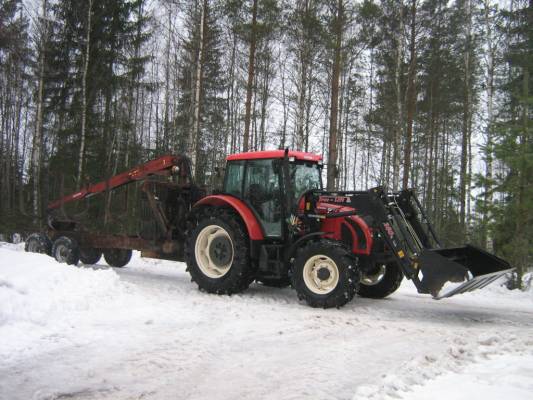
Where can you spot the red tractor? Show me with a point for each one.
(272, 222)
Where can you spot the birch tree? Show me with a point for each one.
(84, 94)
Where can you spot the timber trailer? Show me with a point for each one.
(272, 222)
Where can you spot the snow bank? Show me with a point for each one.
(423, 375)
(39, 290)
(500, 377)
(39, 297)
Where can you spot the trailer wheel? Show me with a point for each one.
(381, 281)
(38, 243)
(217, 252)
(89, 255)
(117, 257)
(66, 250)
(325, 274)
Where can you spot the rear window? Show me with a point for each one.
(234, 178)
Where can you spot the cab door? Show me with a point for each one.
(262, 191)
(257, 182)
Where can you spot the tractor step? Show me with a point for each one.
(473, 284)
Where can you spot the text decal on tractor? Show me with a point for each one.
(272, 222)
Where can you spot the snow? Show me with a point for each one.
(145, 331)
(495, 378)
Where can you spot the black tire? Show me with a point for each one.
(38, 243)
(233, 259)
(389, 282)
(117, 258)
(66, 250)
(89, 255)
(277, 283)
(344, 266)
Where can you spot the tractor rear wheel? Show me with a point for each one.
(325, 274)
(381, 281)
(66, 250)
(217, 252)
(38, 243)
(89, 255)
(117, 257)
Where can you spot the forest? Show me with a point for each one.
(430, 94)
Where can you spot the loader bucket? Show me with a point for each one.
(469, 264)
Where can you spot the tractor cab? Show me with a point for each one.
(271, 182)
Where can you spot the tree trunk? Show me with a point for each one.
(194, 133)
(38, 138)
(398, 93)
(265, 90)
(332, 154)
(520, 242)
(251, 71)
(489, 81)
(84, 97)
(411, 98)
(467, 120)
(285, 108)
(166, 111)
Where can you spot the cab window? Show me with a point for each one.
(305, 176)
(262, 191)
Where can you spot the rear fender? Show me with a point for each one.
(255, 231)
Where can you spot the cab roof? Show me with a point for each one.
(256, 155)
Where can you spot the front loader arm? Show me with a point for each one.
(410, 239)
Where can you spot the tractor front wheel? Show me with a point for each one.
(381, 281)
(66, 250)
(217, 252)
(117, 257)
(325, 274)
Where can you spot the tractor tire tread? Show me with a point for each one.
(388, 285)
(240, 275)
(350, 279)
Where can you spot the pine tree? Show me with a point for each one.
(15, 113)
(514, 145)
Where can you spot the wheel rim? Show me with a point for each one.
(321, 274)
(214, 251)
(371, 279)
(62, 253)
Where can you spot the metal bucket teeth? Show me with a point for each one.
(475, 283)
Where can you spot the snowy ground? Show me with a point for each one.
(146, 332)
